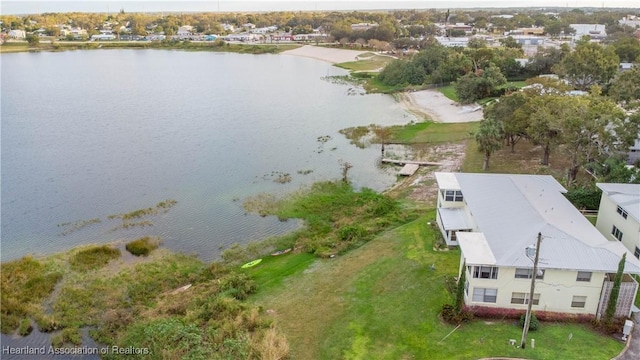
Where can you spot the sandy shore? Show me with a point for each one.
(429, 103)
(333, 56)
(439, 108)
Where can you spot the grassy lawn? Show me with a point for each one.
(368, 62)
(430, 132)
(381, 301)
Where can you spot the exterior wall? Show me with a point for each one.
(556, 290)
(626, 297)
(608, 217)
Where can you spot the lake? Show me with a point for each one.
(88, 134)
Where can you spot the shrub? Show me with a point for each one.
(142, 246)
(93, 258)
(240, 286)
(450, 315)
(352, 233)
(534, 324)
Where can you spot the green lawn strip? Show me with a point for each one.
(449, 91)
(272, 270)
(372, 63)
(430, 132)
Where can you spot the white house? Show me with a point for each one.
(17, 34)
(185, 30)
(619, 214)
(495, 217)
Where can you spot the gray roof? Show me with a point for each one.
(627, 196)
(510, 210)
(454, 219)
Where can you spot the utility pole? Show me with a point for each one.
(527, 319)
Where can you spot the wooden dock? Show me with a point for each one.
(410, 166)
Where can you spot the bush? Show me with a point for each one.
(25, 327)
(240, 286)
(93, 258)
(142, 246)
(450, 315)
(534, 324)
(584, 198)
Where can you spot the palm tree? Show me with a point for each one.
(489, 138)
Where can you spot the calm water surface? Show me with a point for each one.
(87, 134)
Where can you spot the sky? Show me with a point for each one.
(13, 7)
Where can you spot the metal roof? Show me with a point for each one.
(476, 249)
(627, 196)
(510, 210)
(454, 218)
(447, 181)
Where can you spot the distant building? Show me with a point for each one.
(185, 30)
(594, 31)
(630, 20)
(453, 42)
(363, 26)
(529, 40)
(17, 34)
(527, 31)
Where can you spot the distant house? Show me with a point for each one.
(619, 214)
(630, 20)
(453, 41)
(494, 218)
(103, 37)
(17, 34)
(185, 30)
(529, 39)
(363, 26)
(593, 31)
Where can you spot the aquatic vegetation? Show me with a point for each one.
(358, 135)
(305, 172)
(160, 208)
(143, 246)
(77, 225)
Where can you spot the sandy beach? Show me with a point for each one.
(439, 108)
(333, 56)
(426, 103)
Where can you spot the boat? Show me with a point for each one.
(251, 263)
(280, 252)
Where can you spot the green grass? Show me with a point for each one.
(93, 258)
(382, 301)
(450, 92)
(430, 132)
(271, 272)
(25, 284)
(372, 63)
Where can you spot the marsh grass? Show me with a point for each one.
(93, 258)
(142, 246)
(26, 283)
(133, 218)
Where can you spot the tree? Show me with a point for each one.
(32, 39)
(627, 48)
(544, 59)
(615, 292)
(510, 42)
(545, 113)
(462, 279)
(589, 64)
(514, 123)
(625, 87)
(489, 139)
(474, 86)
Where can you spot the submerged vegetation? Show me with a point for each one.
(130, 219)
(70, 227)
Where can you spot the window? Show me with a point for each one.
(622, 212)
(452, 195)
(485, 295)
(523, 298)
(485, 272)
(616, 233)
(584, 276)
(527, 273)
(578, 301)
(637, 252)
